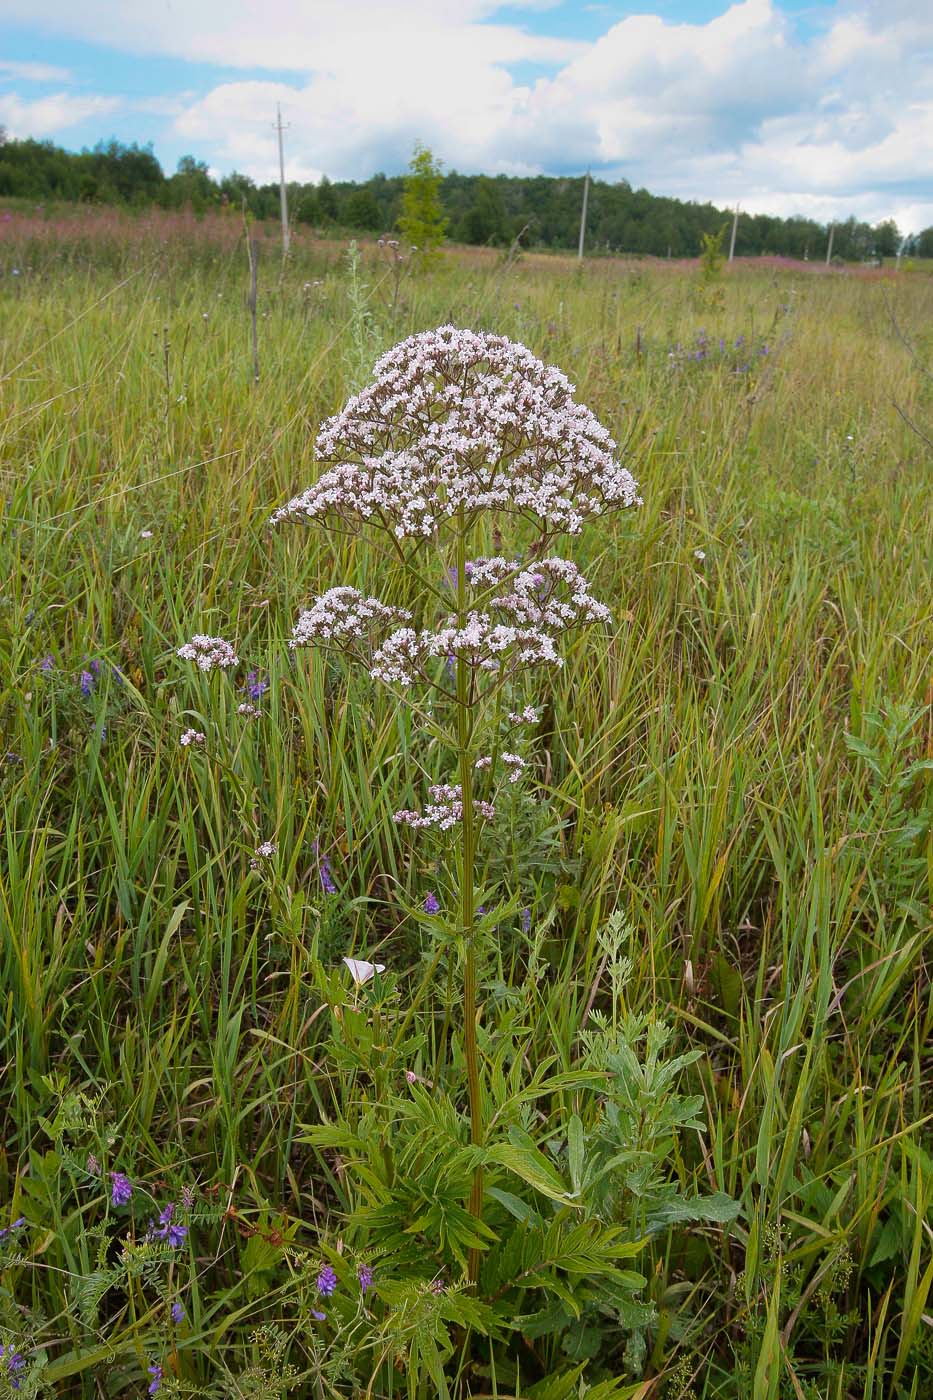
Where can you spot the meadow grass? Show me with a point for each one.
(739, 770)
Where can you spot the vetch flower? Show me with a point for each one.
(177, 1312)
(167, 1229)
(318, 1315)
(87, 683)
(365, 1276)
(11, 1361)
(431, 903)
(526, 921)
(256, 685)
(326, 1281)
(362, 971)
(121, 1188)
(156, 1372)
(327, 883)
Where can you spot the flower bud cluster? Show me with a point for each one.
(457, 420)
(444, 810)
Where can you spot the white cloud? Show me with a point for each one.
(47, 116)
(738, 108)
(32, 72)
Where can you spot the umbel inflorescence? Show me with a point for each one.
(457, 420)
(456, 427)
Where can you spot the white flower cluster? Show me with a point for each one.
(529, 715)
(518, 629)
(462, 420)
(535, 597)
(486, 644)
(248, 710)
(264, 851)
(192, 736)
(515, 764)
(513, 761)
(444, 810)
(208, 653)
(341, 616)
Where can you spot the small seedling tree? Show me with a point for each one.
(422, 222)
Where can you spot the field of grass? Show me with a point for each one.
(726, 830)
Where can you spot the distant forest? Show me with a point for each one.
(540, 211)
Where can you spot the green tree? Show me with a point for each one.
(363, 210)
(422, 222)
(485, 222)
(326, 201)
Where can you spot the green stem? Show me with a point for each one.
(467, 912)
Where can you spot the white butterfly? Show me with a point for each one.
(362, 971)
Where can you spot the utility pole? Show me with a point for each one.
(286, 237)
(586, 193)
(735, 229)
(829, 246)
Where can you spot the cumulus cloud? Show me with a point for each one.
(48, 116)
(740, 108)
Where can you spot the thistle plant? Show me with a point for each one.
(459, 434)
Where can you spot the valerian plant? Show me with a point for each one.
(457, 431)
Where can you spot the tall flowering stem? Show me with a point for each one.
(458, 427)
(466, 759)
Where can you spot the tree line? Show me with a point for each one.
(541, 211)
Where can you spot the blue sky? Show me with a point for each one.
(823, 109)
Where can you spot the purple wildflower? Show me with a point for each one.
(327, 881)
(365, 1276)
(16, 1225)
(47, 663)
(437, 1286)
(431, 903)
(121, 1188)
(13, 1361)
(326, 1281)
(318, 1316)
(178, 1312)
(526, 920)
(256, 685)
(174, 1235)
(155, 1371)
(87, 683)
